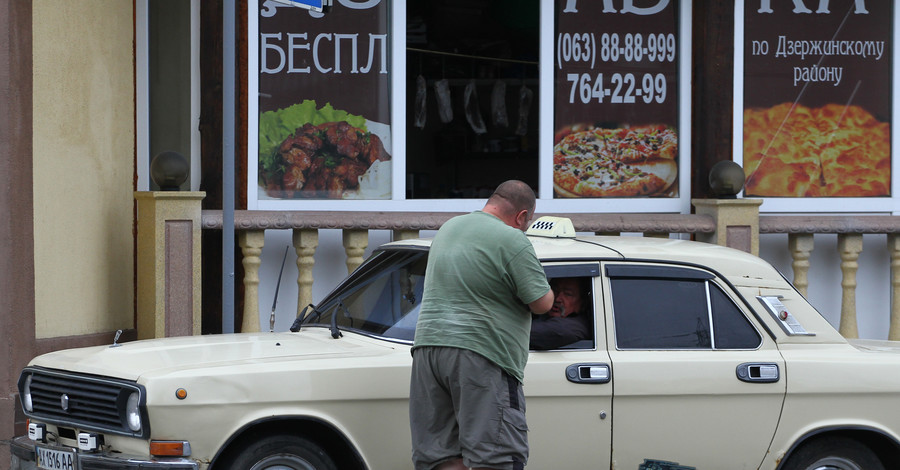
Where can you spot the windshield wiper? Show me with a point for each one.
(335, 331)
(295, 327)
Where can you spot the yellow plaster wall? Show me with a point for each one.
(83, 166)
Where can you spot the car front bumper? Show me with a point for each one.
(23, 458)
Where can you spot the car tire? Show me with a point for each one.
(283, 452)
(834, 454)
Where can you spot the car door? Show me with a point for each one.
(569, 392)
(698, 383)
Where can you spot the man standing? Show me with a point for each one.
(467, 409)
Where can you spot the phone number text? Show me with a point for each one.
(583, 48)
(621, 88)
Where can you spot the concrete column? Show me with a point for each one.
(801, 246)
(251, 243)
(404, 235)
(355, 244)
(168, 263)
(305, 242)
(737, 222)
(894, 249)
(850, 245)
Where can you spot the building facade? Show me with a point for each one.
(91, 90)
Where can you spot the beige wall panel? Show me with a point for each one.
(83, 166)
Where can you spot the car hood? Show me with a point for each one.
(135, 359)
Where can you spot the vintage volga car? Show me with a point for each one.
(701, 357)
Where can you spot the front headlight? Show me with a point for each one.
(133, 411)
(26, 395)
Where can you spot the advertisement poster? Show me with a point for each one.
(616, 99)
(817, 98)
(324, 106)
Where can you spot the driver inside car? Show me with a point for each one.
(569, 320)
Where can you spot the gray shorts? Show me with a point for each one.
(463, 405)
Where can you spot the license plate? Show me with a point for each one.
(54, 459)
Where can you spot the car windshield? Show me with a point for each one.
(381, 298)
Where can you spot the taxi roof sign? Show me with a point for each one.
(314, 5)
(551, 227)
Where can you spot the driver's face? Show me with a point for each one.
(567, 297)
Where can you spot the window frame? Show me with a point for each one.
(580, 269)
(542, 110)
(618, 270)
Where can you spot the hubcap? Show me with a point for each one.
(283, 462)
(834, 463)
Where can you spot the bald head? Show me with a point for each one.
(512, 202)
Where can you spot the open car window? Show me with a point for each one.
(381, 298)
(577, 330)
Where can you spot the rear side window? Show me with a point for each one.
(659, 307)
(732, 329)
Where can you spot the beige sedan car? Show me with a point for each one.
(700, 357)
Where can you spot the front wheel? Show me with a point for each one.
(834, 454)
(281, 452)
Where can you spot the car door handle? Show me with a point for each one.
(758, 372)
(589, 373)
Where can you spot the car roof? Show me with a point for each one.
(729, 262)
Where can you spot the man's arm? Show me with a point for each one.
(542, 305)
(554, 332)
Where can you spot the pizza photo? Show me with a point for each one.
(791, 150)
(631, 161)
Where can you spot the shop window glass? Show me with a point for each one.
(472, 96)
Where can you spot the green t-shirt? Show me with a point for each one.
(480, 278)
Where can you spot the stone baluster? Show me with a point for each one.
(355, 244)
(251, 243)
(404, 234)
(801, 246)
(305, 243)
(894, 248)
(849, 245)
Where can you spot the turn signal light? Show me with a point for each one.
(170, 448)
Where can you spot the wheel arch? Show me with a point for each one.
(885, 446)
(335, 443)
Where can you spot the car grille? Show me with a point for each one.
(82, 401)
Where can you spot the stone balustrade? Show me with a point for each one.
(251, 226)
(850, 231)
(735, 223)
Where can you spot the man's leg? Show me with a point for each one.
(455, 464)
(435, 433)
(491, 415)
